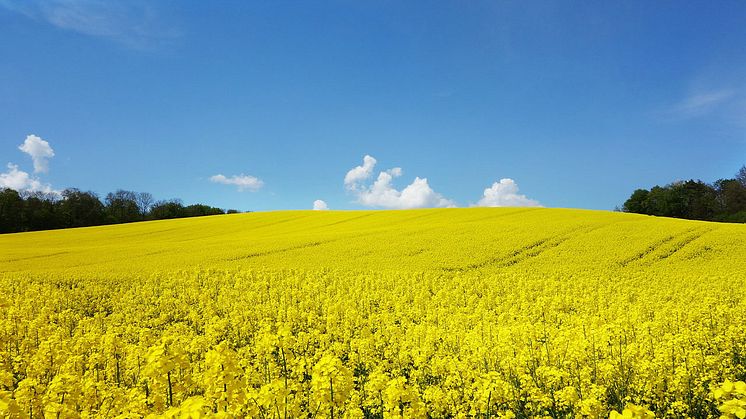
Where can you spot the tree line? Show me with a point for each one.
(32, 211)
(723, 200)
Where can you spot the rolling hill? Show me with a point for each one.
(439, 313)
(410, 240)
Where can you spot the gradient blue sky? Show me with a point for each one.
(578, 102)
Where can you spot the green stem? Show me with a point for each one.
(170, 390)
(331, 389)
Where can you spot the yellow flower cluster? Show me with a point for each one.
(632, 411)
(440, 314)
(732, 397)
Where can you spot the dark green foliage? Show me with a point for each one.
(31, 211)
(175, 209)
(11, 211)
(725, 200)
(162, 210)
(41, 211)
(80, 209)
(741, 176)
(637, 202)
(199, 210)
(731, 195)
(121, 207)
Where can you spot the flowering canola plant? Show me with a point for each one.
(448, 313)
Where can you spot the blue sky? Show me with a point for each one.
(563, 104)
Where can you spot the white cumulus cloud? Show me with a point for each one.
(381, 193)
(40, 152)
(243, 182)
(319, 205)
(17, 179)
(360, 173)
(505, 194)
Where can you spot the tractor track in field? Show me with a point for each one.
(664, 248)
(680, 244)
(306, 245)
(527, 252)
(505, 214)
(347, 220)
(48, 255)
(648, 250)
(276, 251)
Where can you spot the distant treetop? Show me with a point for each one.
(724, 200)
(31, 211)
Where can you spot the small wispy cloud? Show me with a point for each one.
(243, 182)
(319, 205)
(701, 103)
(134, 24)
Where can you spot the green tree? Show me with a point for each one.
(41, 211)
(122, 207)
(11, 209)
(637, 203)
(731, 195)
(199, 210)
(662, 202)
(80, 209)
(167, 209)
(697, 199)
(741, 176)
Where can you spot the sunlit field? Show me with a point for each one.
(479, 312)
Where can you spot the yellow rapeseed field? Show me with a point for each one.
(443, 313)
